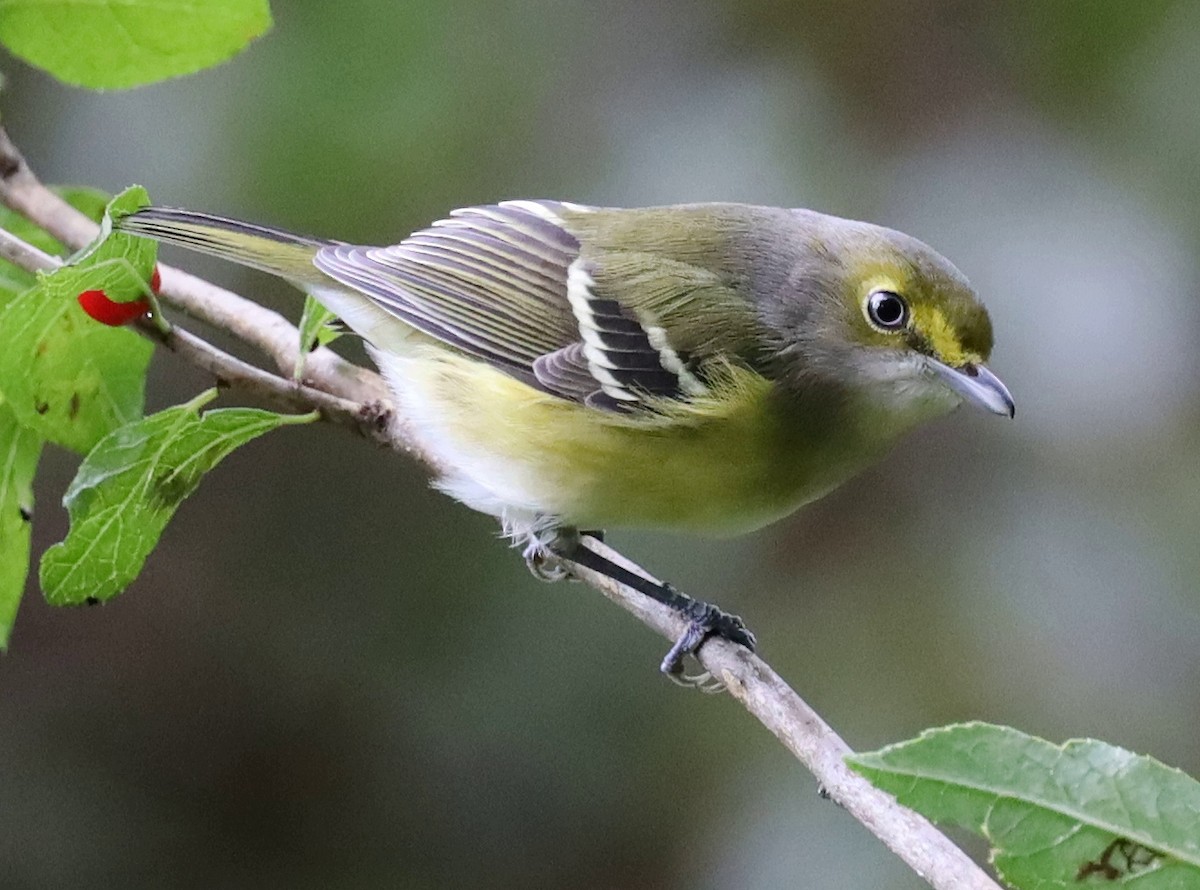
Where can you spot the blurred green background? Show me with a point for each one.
(330, 676)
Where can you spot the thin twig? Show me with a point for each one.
(261, 328)
(371, 419)
(268, 332)
(28, 257)
(339, 389)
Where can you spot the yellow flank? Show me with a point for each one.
(724, 463)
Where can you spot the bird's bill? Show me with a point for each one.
(977, 385)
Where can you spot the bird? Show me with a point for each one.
(706, 367)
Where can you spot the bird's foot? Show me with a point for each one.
(704, 620)
(544, 564)
(543, 552)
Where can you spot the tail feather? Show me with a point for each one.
(260, 247)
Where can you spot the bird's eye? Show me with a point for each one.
(887, 310)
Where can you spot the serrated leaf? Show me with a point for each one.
(315, 330)
(1080, 814)
(19, 451)
(113, 45)
(14, 279)
(130, 485)
(65, 376)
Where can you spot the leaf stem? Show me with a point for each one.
(194, 404)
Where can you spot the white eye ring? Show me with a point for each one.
(887, 311)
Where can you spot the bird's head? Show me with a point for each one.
(891, 316)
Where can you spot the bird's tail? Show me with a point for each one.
(260, 247)
(278, 252)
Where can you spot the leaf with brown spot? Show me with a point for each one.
(128, 488)
(1080, 814)
(66, 377)
(19, 451)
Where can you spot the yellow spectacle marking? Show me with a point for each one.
(931, 322)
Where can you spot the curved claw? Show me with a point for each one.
(544, 566)
(702, 682)
(542, 559)
(705, 620)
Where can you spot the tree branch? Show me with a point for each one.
(228, 370)
(355, 397)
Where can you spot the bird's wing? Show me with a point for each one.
(510, 285)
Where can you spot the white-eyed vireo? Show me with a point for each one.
(707, 366)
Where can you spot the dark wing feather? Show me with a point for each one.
(506, 284)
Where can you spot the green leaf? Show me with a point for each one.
(14, 279)
(1081, 814)
(315, 330)
(113, 44)
(67, 377)
(19, 451)
(130, 485)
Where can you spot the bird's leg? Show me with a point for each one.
(703, 618)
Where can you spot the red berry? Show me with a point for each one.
(155, 280)
(97, 304)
